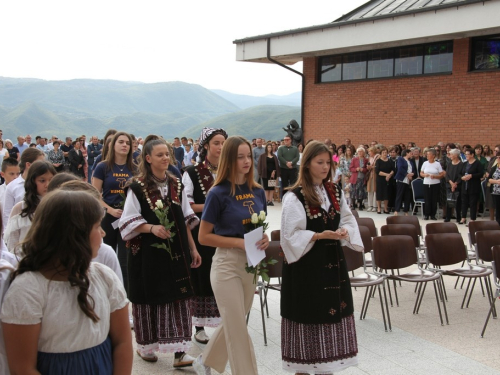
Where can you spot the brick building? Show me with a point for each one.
(396, 71)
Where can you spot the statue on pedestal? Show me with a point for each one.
(295, 132)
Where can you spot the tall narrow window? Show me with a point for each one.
(438, 58)
(409, 61)
(486, 53)
(381, 63)
(330, 68)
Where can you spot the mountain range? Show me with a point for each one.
(70, 108)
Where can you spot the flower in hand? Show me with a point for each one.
(259, 220)
(161, 213)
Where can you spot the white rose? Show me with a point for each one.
(255, 218)
(159, 204)
(262, 216)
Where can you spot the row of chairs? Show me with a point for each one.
(401, 245)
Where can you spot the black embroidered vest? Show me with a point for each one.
(316, 288)
(202, 181)
(155, 277)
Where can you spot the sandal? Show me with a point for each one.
(147, 357)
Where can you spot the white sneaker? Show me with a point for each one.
(200, 368)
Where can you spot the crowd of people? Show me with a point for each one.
(161, 226)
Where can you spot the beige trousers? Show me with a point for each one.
(234, 291)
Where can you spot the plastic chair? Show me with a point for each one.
(445, 249)
(354, 260)
(368, 222)
(417, 187)
(435, 228)
(396, 252)
(355, 213)
(476, 226)
(413, 220)
(275, 235)
(495, 252)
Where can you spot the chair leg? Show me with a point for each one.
(444, 288)
(363, 307)
(466, 292)
(437, 300)
(387, 308)
(389, 290)
(382, 306)
(265, 301)
(395, 293)
(418, 287)
(472, 289)
(442, 295)
(489, 290)
(367, 302)
(492, 307)
(482, 289)
(262, 314)
(421, 297)
(456, 283)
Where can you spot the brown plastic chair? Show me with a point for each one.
(413, 220)
(355, 213)
(354, 260)
(476, 226)
(398, 251)
(275, 235)
(495, 252)
(435, 228)
(368, 222)
(485, 240)
(408, 230)
(445, 249)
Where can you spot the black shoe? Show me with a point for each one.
(433, 218)
(270, 204)
(426, 218)
(446, 220)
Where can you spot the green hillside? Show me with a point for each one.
(104, 99)
(260, 121)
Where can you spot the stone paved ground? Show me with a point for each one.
(418, 344)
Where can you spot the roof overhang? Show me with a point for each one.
(463, 20)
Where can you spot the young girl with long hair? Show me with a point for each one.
(110, 177)
(318, 334)
(159, 278)
(268, 169)
(230, 203)
(197, 180)
(21, 216)
(63, 314)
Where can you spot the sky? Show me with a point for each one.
(154, 41)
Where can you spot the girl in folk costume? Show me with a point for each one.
(159, 278)
(197, 181)
(230, 203)
(318, 335)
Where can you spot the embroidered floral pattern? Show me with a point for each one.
(130, 221)
(205, 178)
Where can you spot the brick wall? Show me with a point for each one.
(462, 107)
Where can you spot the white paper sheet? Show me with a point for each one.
(254, 255)
(115, 224)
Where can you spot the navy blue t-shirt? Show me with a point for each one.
(113, 182)
(229, 213)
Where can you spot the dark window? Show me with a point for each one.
(486, 53)
(409, 61)
(381, 63)
(438, 58)
(330, 68)
(354, 66)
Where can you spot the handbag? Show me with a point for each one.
(271, 183)
(451, 198)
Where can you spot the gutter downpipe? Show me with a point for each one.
(296, 72)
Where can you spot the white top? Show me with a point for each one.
(132, 218)
(296, 240)
(3, 152)
(5, 271)
(107, 256)
(189, 186)
(33, 299)
(14, 193)
(16, 230)
(433, 168)
(3, 188)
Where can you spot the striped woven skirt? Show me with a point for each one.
(318, 348)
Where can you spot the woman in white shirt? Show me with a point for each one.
(432, 172)
(63, 314)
